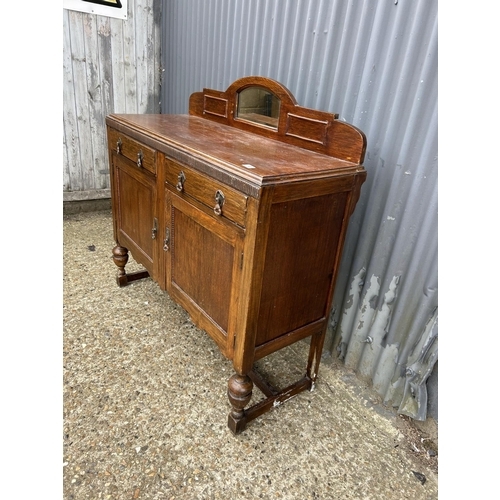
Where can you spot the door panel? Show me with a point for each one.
(203, 268)
(136, 198)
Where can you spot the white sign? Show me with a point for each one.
(110, 8)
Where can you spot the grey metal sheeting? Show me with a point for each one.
(374, 63)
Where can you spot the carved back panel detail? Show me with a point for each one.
(307, 128)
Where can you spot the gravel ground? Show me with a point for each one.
(145, 405)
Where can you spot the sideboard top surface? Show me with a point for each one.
(253, 158)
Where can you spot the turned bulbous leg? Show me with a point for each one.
(239, 392)
(120, 258)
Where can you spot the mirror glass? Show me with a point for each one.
(258, 105)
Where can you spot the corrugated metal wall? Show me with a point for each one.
(374, 63)
(110, 66)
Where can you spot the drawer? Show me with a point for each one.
(224, 200)
(143, 156)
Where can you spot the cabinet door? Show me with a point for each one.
(203, 256)
(134, 205)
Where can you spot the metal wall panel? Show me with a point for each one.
(109, 66)
(374, 63)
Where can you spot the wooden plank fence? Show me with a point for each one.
(110, 66)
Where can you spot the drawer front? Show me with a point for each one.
(143, 156)
(224, 200)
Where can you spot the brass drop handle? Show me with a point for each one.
(119, 144)
(140, 156)
(166, 241)
(219, 201)
(181, 179)
(154, 231)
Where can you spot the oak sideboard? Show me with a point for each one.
(239, 211)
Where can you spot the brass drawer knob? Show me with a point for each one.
(166, 241)
(140, 157)
(219, 201)
(154, 231)
(181, 179)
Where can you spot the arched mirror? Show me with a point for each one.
(258, 105)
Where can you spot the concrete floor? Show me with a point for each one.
(145, 406)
